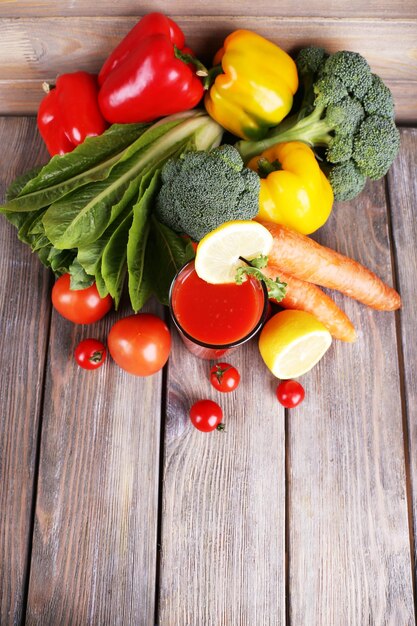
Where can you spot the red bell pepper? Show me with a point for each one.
(148, 75)
(69, 112)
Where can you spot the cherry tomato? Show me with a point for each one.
(140, 344)
(224, 377)
(90, 354)
(81, 306)
(290, 393)
(206, 416)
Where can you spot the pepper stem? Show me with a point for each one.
(201, 70)
(47, 87)
(211, 76)
(266, 167)
(189, 58)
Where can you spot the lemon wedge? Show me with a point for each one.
(217, 256)
(292, 342)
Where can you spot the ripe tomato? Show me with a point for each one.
(224, 377)
(140, 344)
(206, 416)
(81, 306)
(290, 393)
(90, 354)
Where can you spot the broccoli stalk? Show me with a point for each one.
(331, 127)
(346, 116)
(202, 189)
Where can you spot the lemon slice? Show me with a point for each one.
(292, 342)
(217, 255)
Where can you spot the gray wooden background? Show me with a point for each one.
(113, 509)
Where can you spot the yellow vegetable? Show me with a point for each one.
(292, 342)
(294, 191)
(255, 88)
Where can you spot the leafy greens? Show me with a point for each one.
(90, 212)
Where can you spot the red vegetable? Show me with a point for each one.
(140, 344)
(206, 416)
(69, 112)
(90, 354)
(224, 377)
(290, 393)
(146, 76)
(81, 306)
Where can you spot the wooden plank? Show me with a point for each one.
(349, 550)
(223, 526)
(24, 323)
(64, 40)
(403, 199)
(94, 545)
(24, 96)
(285, 8)
(39, 49)
(42, 47)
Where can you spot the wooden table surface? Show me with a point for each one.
(115, 510)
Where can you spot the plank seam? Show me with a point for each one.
(159, 521)
(287, 518)
(220, 18)
(404, 407)
(32, 516)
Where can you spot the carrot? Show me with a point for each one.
(307, 260)
(305, 296)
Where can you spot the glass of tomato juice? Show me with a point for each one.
(214, 319)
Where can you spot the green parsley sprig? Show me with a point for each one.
(276, 288)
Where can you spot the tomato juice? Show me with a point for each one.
(214, 318)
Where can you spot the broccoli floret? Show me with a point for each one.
(328, 90)
(346, 180)
(346, 114)
(375, 146)
(351, 69)
(201, 190)
(339, 149)
(309, 60)
(378, 99)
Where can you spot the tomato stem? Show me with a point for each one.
(96, 357)
(220, 371)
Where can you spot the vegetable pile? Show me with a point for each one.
(346, 115)
(139, 175)
(89, 212)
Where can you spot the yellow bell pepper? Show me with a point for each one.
(294, 191)
(256, 87)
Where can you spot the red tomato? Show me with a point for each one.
(290, 393)
(206, 416)
(224, 377)
(90, 354)
(140, 344)
(81, 306)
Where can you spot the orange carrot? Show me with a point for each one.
(305, 296)
(307, 260)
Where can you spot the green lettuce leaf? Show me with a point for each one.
(91, 161)
(114, 259)
(79, 279)
(136, 245)
(169, 252)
